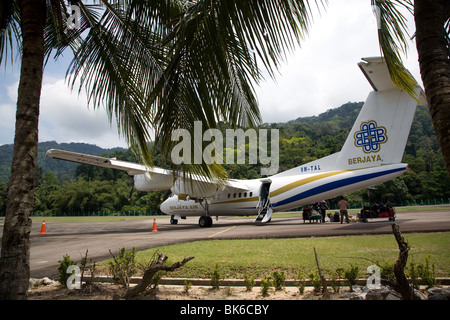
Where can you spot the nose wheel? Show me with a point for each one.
(173, 220)
(205, 222)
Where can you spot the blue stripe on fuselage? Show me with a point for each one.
(334, 185)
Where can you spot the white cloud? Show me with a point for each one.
(7, 114)
(323, 73)
(64, 117)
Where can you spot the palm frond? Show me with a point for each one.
(59, 34)
(393, 38)
(116, 65)
(10, 32)
(212, 51)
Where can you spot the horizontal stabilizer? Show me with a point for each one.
(376, 72)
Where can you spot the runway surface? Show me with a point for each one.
(74, 239)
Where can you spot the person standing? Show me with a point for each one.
(323, 206)
(343, 209)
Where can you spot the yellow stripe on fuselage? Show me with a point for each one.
(301, 182)
(288, 187)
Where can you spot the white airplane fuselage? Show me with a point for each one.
(286, 192)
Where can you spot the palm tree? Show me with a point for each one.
(14, 263)
(432, 18)
(153, 64)
(432, 21)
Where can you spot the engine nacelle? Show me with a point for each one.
(194, 189)
(152, 182)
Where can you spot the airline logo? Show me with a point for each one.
(370, 137)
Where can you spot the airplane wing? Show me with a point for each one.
(236, 185)
(130, 167)
(135, 169)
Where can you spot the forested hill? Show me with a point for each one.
(59, 168)
(345, 113)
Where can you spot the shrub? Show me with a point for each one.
(351, 275)
(278, 279)
(301, 281)
(427, 273)
(265, 285)
(215, 278)
(62, 269)
(336, 277)
(123, 267)
(413, 275)
(249, 282)
(187, 286)
(387, 271)
(314, 277)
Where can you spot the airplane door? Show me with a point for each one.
(264, 206)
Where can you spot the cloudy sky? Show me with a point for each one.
(321, 74)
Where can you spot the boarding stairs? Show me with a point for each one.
(264, 211)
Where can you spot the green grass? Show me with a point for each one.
(421, 208)
(260, 256)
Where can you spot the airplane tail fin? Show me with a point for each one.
(380, 132)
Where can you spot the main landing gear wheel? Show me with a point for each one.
(205, 222)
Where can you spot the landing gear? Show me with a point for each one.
(205, 222)
(173, 220)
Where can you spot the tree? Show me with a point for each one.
(432, 21)
(432, 18)
(153, 64)
(15, 255)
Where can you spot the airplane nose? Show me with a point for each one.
(164, 207)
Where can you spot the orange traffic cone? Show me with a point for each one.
(154, 226)
(43, 228)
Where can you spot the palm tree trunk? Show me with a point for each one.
(15, 254)
(434, 62)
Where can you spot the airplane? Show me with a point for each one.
(371, 155)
